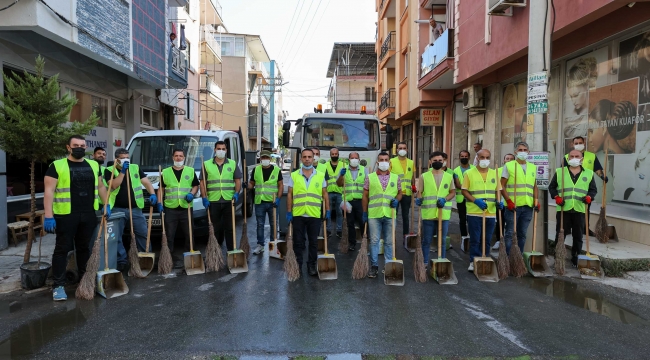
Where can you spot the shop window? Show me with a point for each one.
(86, 104)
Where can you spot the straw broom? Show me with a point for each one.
(560, 249)
(86, 288)
(419, 271)
(601, 225)
(165, 263)
(360, 269)
(290, 262)
(517, 266)
(344, 242)
(503, 264)
(243, 242)
(134, 261)
(213, 255)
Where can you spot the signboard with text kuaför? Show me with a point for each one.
(431, 117)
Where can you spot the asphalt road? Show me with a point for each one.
(260, 313)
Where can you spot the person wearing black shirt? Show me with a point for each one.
(70, 200)
(271, 182)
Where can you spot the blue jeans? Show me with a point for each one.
(429, 229)
(261, 212)
(139, 229)
(475, 225)
(524, 217)
(380, 228)
(335, 204)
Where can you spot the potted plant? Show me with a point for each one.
(34, 127)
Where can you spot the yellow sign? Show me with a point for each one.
(431, 117)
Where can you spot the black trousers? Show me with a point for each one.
(355, 216)
(462, 216)
(405, 205)
(73, 231)
(221, 214)
(306, 229)
(575, 223)
(174, 219)
(500, 220)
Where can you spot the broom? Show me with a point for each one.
(165, 263)
(290, 262)
(419, 270)
(560, 249)
(601, 225)
(213, 255)
(503, 264)
(360, 269)
(86, 288)
(517, 266)
(243, 242)
(344, 243)
(135, 270)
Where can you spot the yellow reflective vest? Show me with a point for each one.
(525, 183)
(431, 193)
(405, 174)
(378, 198)
(307, 201)
(482, 189)
(573, 192)
(62, 202)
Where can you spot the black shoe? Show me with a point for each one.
(123, 268)
(374, 270)
(351, 248)
(329, 233)
(312, 271)
(574, 261)
(591, 233)
(339, 234)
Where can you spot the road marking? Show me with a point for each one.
(205, 287)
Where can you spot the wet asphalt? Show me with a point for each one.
(261, 314)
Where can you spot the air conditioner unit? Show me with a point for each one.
(473, 97)
(499, 7)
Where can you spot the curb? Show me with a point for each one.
(10, 282)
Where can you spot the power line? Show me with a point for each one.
(317, 25)
(306, 32)
(301, 26)
(10, 5)
(290, 24)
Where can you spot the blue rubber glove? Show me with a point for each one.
(49, 225)
(393, 203)
(159, 207)
(153, 199)
(327, 215)
(125, 167)
(206, 202)
(441, 203)
(276, 203)
(343, 171)
(189, 197)
(108, 210)
(289, 216)
(480, 203)
(418, 201)
(501, 205)
(605, 179)
(364, 217)
(236, 197)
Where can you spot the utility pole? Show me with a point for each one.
(260, 109)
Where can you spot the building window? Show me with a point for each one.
(187, 7)
(86, 104)
(239, 47)
(371, 95)
(149, 118)
(406, 65)
(189, 107)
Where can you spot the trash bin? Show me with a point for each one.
(112, 226)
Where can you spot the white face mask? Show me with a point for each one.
(266, 162)
(579, 147)
(179, 163)
(122, 161)
(522, 155)
(402, 152)
(384, 165)
(316, 158)
(484, 163)
(354, 162)
(575, 162)
(444, 163)
(220, 154)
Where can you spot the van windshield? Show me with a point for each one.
(150, 152)
(345, 134)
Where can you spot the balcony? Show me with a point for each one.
(211, 12)
(209, 87)
(437, 63)
(386, 58)
(387, 9)
(354, 106)
(387, 104)
(210, 48)
(177, 69)
(257, 68)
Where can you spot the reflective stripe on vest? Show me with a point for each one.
(405, 176)
(307, 201)
(333, 176)
(264, 191)
(220, 184)
(588, 161)
(136, 185)
(431, 193)
(460, 198)
(573, 193)
(62, 203)
(481, 189)
(354, 188)
(378, 198)
(175, 191)
(525, 183)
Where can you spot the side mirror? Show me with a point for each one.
(389, 137)
(286, 126)
(285, 137)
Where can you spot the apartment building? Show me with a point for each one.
(353, 69)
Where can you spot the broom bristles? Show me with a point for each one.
(213, 255)
(503, 263)
(135, 270)
(290, 262)
(601, 227)
(419, 271)
(243, 242)
(517, 265)
(360, 269)
(86, 288)
(165, 263)
(560, 253)
(344, 243)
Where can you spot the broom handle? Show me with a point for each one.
(274, 220)
(204, 191)
(604, 196)
(534, 229)
(110, 184)
(483, 235)
(245, 191)
(498, 201)
(149, 228)
(439, 233)
(515, 215)
(234, 234)
(562, 207)
(587, 227)
(189, 224)
(160, 198)
(393, 223)
(324, 231)
(128, 194)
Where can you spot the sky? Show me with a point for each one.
(302, 47)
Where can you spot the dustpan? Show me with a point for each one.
(192, 260)
(110, 282)
(326, 263)
(589, 265)
(442, 270)
(147, 259)
(237, 262)
(393, 268)
(277, 248)
(535, 260)
(485, 268)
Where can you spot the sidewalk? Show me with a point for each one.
(12, 257)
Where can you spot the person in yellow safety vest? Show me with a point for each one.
(307, 194)
(179, 187)
(352, 179)
(506, 158)
(318, 165)
(223, 185)
(459, 173)
(579, 189)
(526, 190)
(119, 201)
(70, 200)
(266, 179)
(382, 191)
(334, 169)
(444, 164)
(99, 155)
(437, 190)
(480, 186)
(405, 169)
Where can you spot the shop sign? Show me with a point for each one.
(431, 117)
(540, 159)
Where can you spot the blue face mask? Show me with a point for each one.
(307, 167)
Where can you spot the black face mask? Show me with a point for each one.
(464, 161)
(335, 158)
(436, 165)
(78, 153)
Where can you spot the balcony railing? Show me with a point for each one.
(252, 131)
(217, 6)
(441, 49)
(388, 45)
(355, 105)
(179, 63)
(210, 87)
(387, 100)
(258, 66)
(207, 36)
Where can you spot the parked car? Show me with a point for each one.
(286, 164)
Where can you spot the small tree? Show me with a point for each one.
(33, 125)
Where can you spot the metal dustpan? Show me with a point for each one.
(589, 265)
(485, 268)
(326, 263)
(536, 261)
(110, 282)
(237, 262)
(394, 269)
(147, 259)
(277, 248)
(442, 270)
(192, 260)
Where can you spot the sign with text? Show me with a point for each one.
(540, 158)
(431, 117)
(537, 94)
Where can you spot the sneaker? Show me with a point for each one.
(312, 271)
(352, 247)
(451, 246)
(574, 262)
(374, 270)
(329, 233)
(471, 267)
(258, 250)
(496, 245)
(58, 294)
